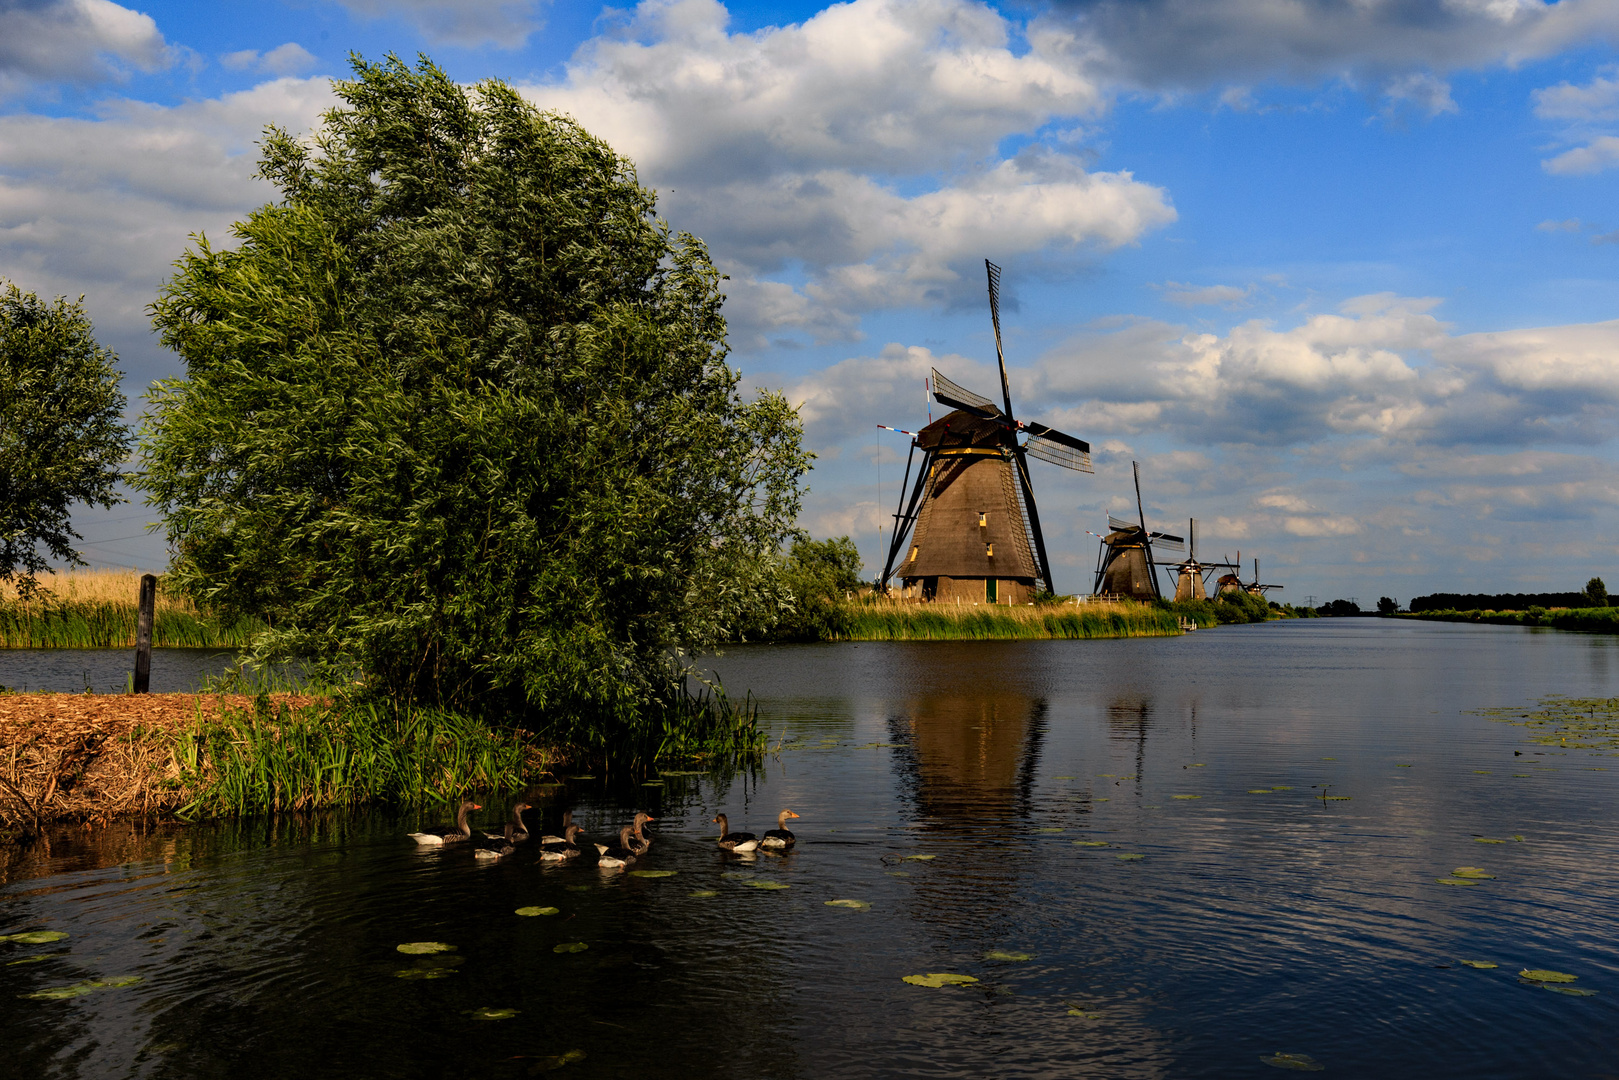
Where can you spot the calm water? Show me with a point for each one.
(107, 671)
(1255, 923)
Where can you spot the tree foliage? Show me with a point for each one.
(1596, 593)
(457, 411)
(816, 578)
(62, 435)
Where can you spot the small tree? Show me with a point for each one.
(1387, 605)
(457, 411)
(1596, 593)
(62, 436)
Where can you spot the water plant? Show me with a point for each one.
(885, 620)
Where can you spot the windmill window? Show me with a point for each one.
(989, 551)
(983, 521)
(915, 551)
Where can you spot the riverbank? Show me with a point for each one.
(901, 621)
(1600, 620)
(98, 609)
(92, 758)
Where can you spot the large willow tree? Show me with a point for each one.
(457, 412)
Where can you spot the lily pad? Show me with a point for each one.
(1090, 843)
(681, 772)
(35, 937)
(570, 947)
(1455, 881)
(581, 778)
(1186, 796)
(1472, 872)
(921, 858)
(487, 1013)
(60, 993)
(424, 973)
(1130, 857)
(1259, 791)
(538, 911)
(1541, 975)
(115, 981)
(855, 905)
(1082, 1014)
(1051, 829)
(425, 948)
(1486, 840)
(759, 883)
(30, 959)
(999, 954)
(937, 979)
(1571, 991)
(1300, 1062)
(1282, 787)
(697, 894)
(653, 873)
(552, 1062)
(1482, 965)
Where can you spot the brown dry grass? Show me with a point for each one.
(86, 757)
(98, 587)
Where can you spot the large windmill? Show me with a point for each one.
(1124, 564)
(973, 528)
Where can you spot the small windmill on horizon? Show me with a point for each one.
(971, 518)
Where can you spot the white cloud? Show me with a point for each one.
(1599, 154)
(1597, 100)
(1423, 90)
(76, 41)
(103, 206)
(1552, 225)
(288, 59)
(1198, 296)
(503, 24)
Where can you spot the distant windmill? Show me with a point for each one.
(1191, 576)
(1255, 587)
(971, 520)
(1125, 563)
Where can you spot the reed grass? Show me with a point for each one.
(337, 753)
(888, 620)
(99, 609)
(1598, 620)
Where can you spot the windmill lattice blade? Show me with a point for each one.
(1115, 524)
(948, 393)
(1168, 542)
(994, 295)
(1056, 436)
(1056, 453)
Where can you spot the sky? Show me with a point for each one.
(1342, 275)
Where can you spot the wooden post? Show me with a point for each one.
(143, 634)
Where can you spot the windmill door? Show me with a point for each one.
(989, 589)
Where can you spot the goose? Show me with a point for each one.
(567, 819)
(435, 835)
(561, 849)
(780, 837)
(640, 842)
(516, 832)
(496, 847)
(739, 842)
(622, 854)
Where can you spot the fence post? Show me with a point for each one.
(143, 634)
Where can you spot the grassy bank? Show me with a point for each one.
(1601, 620)
(98, 609)
(885, 620)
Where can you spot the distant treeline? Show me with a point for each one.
(1445, 601)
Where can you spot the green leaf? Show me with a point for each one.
(700, 893)
(1299, 1062)
(1455, 881)
(424, 948)
(1472, 872)
(1482, 965)
(488, 1013)
(1090, 843)
(1486, 840)
(938, 979)
(762, 884)
(35, 937)
(1542, 975)
(997, 954)
(856, 905)
(424, 973)
(1186, 796)
(921, 858)
(570, 947)
(653, 873)
(538, 911)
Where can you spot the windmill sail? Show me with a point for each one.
(948, 393)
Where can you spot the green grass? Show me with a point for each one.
(111, 625)
(1601, 620)
(274, 758)
(943, 622)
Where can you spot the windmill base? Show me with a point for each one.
(970, 590)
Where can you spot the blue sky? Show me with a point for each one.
(1340, 275)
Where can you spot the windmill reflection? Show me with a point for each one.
(971, 758)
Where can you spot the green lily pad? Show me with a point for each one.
(1482, 965)
(1541, 975)
(538, 911)
(1186, 796)
(937, 979)
(1259, 791)
(1090, 843)
(760, 883)
(30, 959)
(1455, 881)
(1300, 1062)
(1282, 787)
(425, 948)
(1083, 1015)
(1130, 857)
(1197, 765)
(60, 993)
(424, 973)
(1329, 759)
(35, 937)
(1571, 991)
(653, 873)
(700, 893)
(570, 947)
(1481, 772)
(487, 1013)
(552, 1062)
(115, 981)
(998, 954)
(856, 905)
(581, 778)
(1486, 840)
(1399, 766)
(1472, 872)
(921, 858)
(1052, 829)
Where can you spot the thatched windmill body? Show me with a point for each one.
(968, 529)
(1191, 575)
(1125, 565)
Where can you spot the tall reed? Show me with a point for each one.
(899, 621)
(99, 609)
